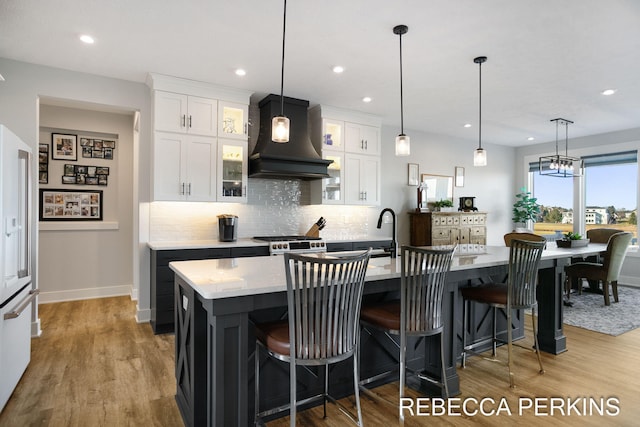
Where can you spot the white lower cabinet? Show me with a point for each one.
(361, 179)
(184, 167)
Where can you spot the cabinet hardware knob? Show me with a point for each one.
(184, 120)
(190, 121)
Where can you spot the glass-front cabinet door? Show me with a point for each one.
(332, 187)
(232, 120)
(232, 171)
(332, 134)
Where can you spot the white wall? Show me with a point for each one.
(93, 262)
(19, 97)
(491, 185)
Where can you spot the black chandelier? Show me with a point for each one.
(561, 165)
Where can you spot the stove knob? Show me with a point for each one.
(322, 244)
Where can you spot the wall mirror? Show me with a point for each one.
(439, 187)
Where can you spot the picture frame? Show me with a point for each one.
(43, 163)
(97, 148)
(75, 174)
(64, 146)
(70, 205)
(458, 176)
(414, 174)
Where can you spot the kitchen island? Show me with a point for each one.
(217, 302)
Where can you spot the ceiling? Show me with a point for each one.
(546, 58)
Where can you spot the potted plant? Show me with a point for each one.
(525, 208)
(447, 204)
(571, 240)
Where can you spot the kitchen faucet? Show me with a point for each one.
(392, 250)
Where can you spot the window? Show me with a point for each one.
(611, 188)
(555, 195)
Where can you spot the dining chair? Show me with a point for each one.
(522, 236)
(324, 296)
(607, 271)
(595, 235)
(418, 313)
(519, 292)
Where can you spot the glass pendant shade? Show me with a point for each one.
(403, 145)
(480, 157)
(280, 129)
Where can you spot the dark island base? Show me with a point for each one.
(215, 346)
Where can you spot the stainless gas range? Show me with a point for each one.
(293, 244)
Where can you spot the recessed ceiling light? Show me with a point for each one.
(338, 69)
(241, 72)
(608, 91)
(366, 99)
(467, 125)
(530, 138)
(85, 38)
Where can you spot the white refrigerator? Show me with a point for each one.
(16, 290)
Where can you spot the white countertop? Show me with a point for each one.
(233, 277)
(239, 243)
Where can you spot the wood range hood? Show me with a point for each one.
(295, 159)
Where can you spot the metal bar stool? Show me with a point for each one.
(518, 293)
(324, 295)
(419, 311)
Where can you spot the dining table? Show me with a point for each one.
(218, 301)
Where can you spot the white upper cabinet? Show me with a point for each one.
(174, 112)
(332, 134)
(202, 116)
(232, 170)
(233, 120)
(362, 139)
(184, 167)
(362, 179)
(330, 190)
(352, 140)
(194, 158)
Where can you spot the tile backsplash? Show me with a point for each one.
(274, 207)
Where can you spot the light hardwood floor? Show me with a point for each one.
(94, 366)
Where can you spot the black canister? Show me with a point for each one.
(227, 228)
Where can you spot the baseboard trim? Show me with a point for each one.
(143, 316)
(629, 281)
(88, 293)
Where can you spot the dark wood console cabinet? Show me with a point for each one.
(447, 228)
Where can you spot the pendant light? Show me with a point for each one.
(480, 155)
(561, 166)
(280, 124)
(403, 142)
